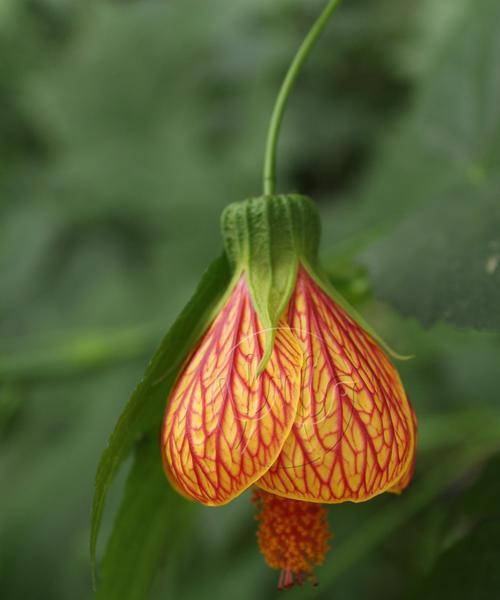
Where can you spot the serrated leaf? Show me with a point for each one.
(149, 525)
(145, 409)
(443, 262)
(441, 173)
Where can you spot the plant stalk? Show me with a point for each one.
(269, 175)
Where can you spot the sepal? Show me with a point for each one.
(266, 238)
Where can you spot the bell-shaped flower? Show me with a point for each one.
(287, 390)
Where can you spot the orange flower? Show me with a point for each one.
(353, 436)
(225, 425)
(288, 392)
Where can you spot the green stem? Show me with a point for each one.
(269, 179)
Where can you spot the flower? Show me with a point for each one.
(286, 390)
(225, 426)
(353, 434)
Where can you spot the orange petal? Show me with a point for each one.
(407, 475)
(224, 426)
(353, 436)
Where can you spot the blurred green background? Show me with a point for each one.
(125, 128)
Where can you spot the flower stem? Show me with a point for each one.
(269, 176)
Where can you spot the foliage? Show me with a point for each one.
(146, 406)
(125, 128)
(444, 164)
(149, 527)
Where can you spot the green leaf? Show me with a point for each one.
(452, 136)
(482, 498)
(62, 355)
(469, 569)
(443, 263)
(148, 528)
(440, 174)
(145, 409)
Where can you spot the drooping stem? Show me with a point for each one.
(269, 178)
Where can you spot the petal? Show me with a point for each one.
(353, 436)
(407, 475)
(224, 426)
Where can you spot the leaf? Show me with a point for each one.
(443, 263)
(441, 174)
(148, 526)
(49, 356)
(145, 409)
(469, 569)
(482, 498)
(452, 136)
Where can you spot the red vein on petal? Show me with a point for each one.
(353, 436)
(224, 426)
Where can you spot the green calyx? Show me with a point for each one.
(266, 238)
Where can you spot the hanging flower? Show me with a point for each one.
(286, 390)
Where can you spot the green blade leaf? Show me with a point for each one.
(145, 409)
(148, 527)
(469, 569)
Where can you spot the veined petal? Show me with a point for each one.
(407, 475)
(224, 426)
(353, 436)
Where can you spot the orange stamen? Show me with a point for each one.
(293, 536)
